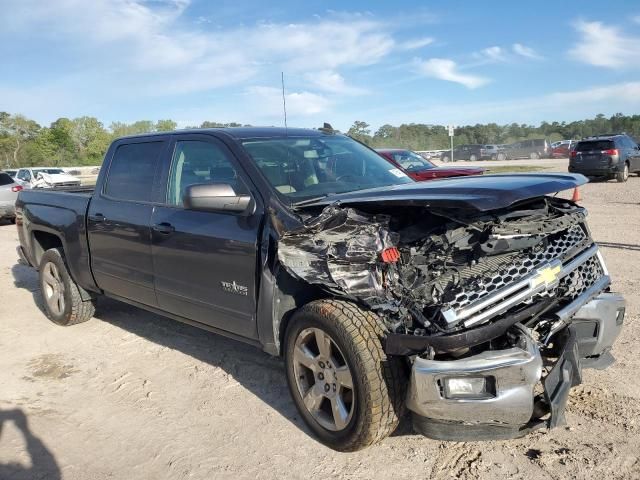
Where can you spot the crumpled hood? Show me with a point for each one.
(481, 193)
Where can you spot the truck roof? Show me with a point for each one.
(245, 132)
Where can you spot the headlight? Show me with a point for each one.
(469, 387)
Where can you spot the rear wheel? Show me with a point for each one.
(63, 300)
(534, 156)
(473, 158)
(501, 157)
(344, 386)
(623, 176)
(446, 159)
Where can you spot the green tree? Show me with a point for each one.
(360, 131)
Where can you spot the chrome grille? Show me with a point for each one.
(557, 248)
(581, 278)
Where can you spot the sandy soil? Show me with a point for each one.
(130, 395)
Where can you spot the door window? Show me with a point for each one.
(132, 171)
(197, 162)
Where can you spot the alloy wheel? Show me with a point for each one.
(323, 379)
(53, 288)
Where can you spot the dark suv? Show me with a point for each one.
(533, 149)
(608, 156)
(464, 152)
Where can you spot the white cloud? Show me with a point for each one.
(147, 42)
(332, 82)
(492, 54)
(446, 69)
(524, 51)
(298, 103)
(563, 105)
(605, 46)
(415, 43)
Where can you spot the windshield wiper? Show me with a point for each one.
(310, 200)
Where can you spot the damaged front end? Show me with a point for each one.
(496, 311)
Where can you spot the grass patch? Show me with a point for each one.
(515, 169)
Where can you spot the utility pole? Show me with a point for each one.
(451, 129)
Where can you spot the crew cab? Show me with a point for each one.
(381, 293)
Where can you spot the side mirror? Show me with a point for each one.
(215, 197)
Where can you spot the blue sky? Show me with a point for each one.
(461, 62)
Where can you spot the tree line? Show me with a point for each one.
(84, 140)
(418, 136)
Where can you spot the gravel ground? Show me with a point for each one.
(130, 395)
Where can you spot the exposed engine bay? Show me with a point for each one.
(451, 279)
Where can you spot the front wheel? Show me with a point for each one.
(534, 156)
(446, 159)
(344, 386)
(63, 302)
(623, 176)
(473, 158)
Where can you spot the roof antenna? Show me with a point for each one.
(284, 102)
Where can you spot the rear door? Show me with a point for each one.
(205, 263)
(119, 220)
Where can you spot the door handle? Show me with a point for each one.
(164, 228)
(97, 218)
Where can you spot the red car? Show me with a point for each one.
(562, 149)
(421, 169)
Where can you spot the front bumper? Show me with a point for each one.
(509, 409)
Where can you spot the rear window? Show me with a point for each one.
(132, 171)
(595, 145)
(5, 179)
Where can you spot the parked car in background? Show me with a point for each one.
(11, 173)
(490, 152)
(470, 152)
(533, 149)
(606, 156)
(46, 178)
(8, 195)
(562, 149)
(419, 168)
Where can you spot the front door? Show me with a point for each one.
(205, 263)
(119, 221)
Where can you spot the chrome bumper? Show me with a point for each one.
(508, 410)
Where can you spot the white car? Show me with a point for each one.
(45, 178)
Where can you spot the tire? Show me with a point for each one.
(534, 156)
(473, 158)
(623, 176)
(373, 405)
(501, 157)
(63, 301)
(446, 159)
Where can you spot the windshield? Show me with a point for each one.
(411, 161)
(50, 171)
(302, 168)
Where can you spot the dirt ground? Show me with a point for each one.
(130, 395)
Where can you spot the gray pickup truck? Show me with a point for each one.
(475, 303)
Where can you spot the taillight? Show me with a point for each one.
(574, 154)
(16, 188)
(612, 151)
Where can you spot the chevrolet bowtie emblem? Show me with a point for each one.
(547, 275)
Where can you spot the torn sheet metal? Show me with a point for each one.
(421, 269)
(340, 249)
